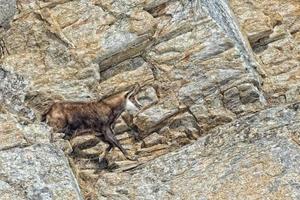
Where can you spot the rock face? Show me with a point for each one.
(8, 10)
(31, 167)
(36, 172)
(255, 157)
(219, 90)
(272, 29)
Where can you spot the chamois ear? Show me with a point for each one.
(133, 90)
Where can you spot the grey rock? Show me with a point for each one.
(11, 132)
(13, 89)
(153, 139)
(37, 172)
(7, 11)
(150, 118)
(232, 99)
(222, 13)
(147, 96)
(249, 93)
(127, 65)
(187, 124)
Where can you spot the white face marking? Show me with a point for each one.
(130, 107)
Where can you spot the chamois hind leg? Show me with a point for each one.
(110, 138)
(67, 131)
(102, 157)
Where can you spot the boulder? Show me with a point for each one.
(37, 172)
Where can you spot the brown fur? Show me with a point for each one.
(99, 116)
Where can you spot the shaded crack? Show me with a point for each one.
(262, 43)
(135, 50)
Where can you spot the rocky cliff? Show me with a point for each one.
(220, 91)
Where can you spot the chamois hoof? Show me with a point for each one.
(103, 163)
(66, 137)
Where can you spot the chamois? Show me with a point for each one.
(99, 116)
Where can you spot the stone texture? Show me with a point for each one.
(13, 89)
(147, 97)
(251, 158)
(11, 135)
(36, 172)
(124, 80)
(271, 28)
(17, 132)
(7, 11)
(127, 65)
(149, 119)
(216, 71)
(153, 139)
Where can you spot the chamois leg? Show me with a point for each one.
(67, 131)
(103, 161)
(102, 157)
(110, 138)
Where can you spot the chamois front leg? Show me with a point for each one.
(111, 139)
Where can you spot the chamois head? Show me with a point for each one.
(124, 101)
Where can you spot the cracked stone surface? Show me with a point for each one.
(272, 28)
(36, 172)
(219, 90)
(8, 10)
(253, 157)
